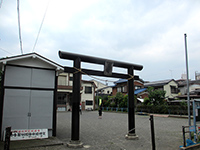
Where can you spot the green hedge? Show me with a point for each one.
(159, 109)
(164, 109)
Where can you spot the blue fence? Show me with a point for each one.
(115, 109)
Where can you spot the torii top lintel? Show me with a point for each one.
(96, 60)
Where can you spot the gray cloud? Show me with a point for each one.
(150, 33)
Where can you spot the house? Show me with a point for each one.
(170, 86)
(88, 95)
(102, 89)
(65, 90)
(194, 88)
(141, 94)
(28, 93)
(121, 86)
(193, 85)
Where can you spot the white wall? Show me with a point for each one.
(63, 79)
(167, 88)
(87, 96)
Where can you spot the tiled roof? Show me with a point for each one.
(125, 80)
(121, 81)
(183, 83)
(139, 91)
(158, 83)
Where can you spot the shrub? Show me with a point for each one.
(124, 102)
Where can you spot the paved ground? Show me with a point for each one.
(109, 133)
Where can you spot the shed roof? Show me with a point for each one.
(6, 60)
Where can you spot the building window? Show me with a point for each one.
(88, 89)
(174, 90)
(121, 89)
(62, 80)
(62, 98)
(88, 102)
(70, 78)
(137, 87)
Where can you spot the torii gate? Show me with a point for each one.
(108, 64)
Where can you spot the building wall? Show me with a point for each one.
(100, 85)
(64, 88)
(65, 79)
(168, 89)
(88, 96)
(30, 61)
(194, 87)
(114, 91)
(183, 89)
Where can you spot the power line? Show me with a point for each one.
(5, 51)
(20, 38)
(40, 26)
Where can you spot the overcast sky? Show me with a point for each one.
(145, 32)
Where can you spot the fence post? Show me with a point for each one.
(183, 129)
(152, 133)
(7, 138)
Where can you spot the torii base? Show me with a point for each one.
(75, 144)
(131, 136)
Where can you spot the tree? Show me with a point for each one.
(105, 97)
(118, 98)
(156, 97)
(109, 101)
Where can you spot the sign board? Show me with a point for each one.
(199, 129)
(192, 128)
(26, 134)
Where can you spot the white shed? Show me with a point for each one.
(28, 93)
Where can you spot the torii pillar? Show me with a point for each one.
(131, 107)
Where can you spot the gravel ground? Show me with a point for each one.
(109, 132)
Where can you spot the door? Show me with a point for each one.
(16, 108)
(41, 109)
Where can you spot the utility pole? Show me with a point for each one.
(187, 72)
